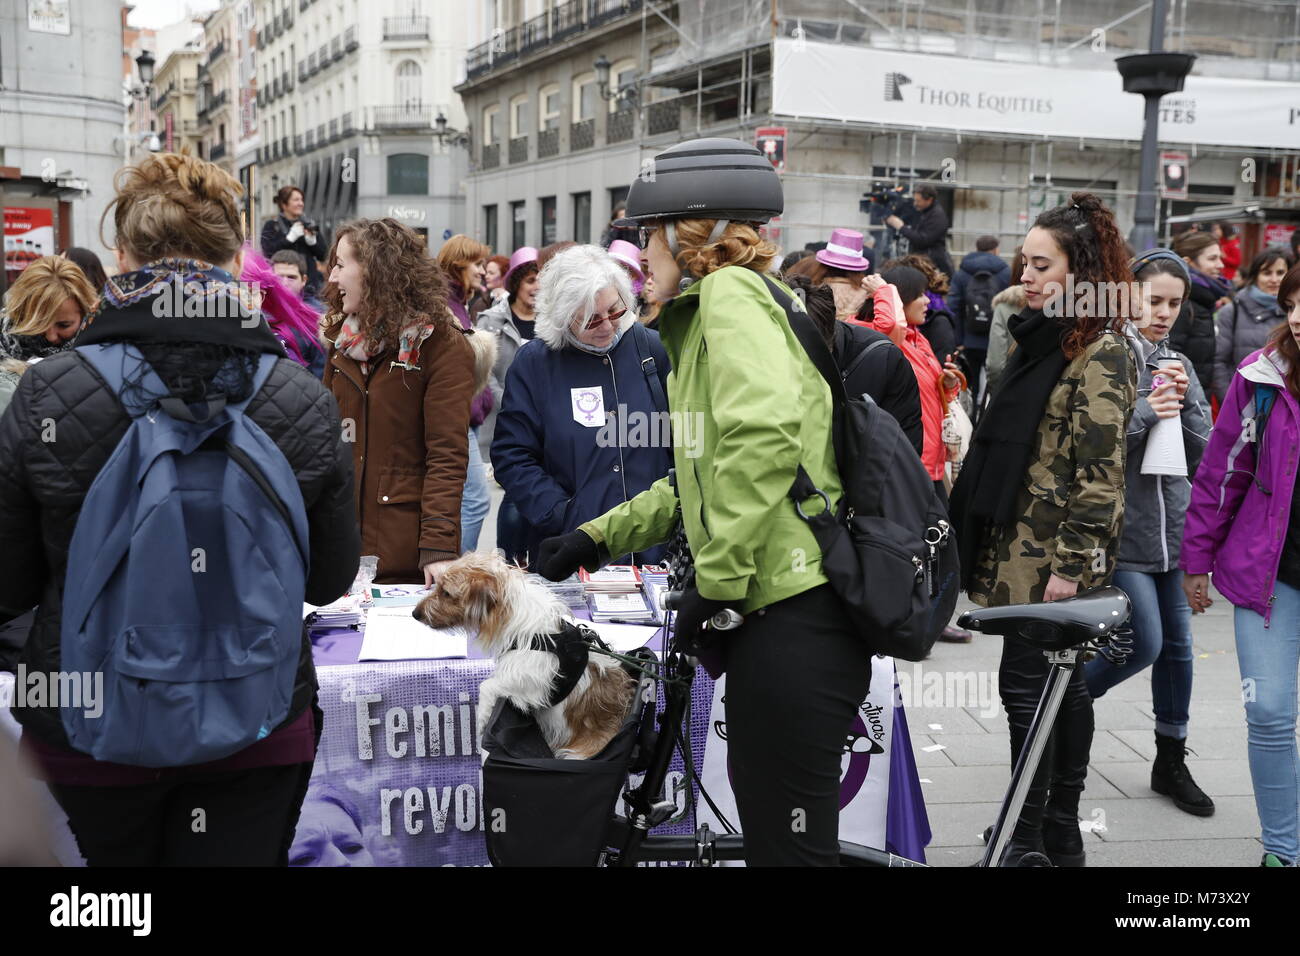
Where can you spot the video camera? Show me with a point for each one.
(889, 199)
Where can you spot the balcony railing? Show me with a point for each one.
(320, 135)
(346, 124)
(406, 28)
(302, 72)
(350, 41)
(408, 117)
(297, 144)
(491, 156)
(622, 126)
(664, 117)
(336, 48)
(217, 52)
(311, 63)
(562, 22)
(323, 58)
(548, 143)
(334, 130)
(286, 81)
(582, 135)
(519, 149)
(218, 151)
(309, 140)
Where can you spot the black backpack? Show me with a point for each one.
(977, 305)
(888, 551)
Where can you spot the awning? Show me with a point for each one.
(1237, 212)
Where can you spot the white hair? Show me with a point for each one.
(570, 284)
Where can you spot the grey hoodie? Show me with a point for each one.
(1156, 505)
(1243, 326)
(1010, 301)
(497, 321)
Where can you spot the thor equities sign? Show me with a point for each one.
(911, 89)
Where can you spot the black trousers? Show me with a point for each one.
(1063, 769)
(248, 819)
(796, 675)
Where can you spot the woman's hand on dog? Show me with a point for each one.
(562, 555)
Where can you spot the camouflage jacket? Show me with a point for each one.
(1072, 500)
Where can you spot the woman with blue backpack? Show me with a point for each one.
(1243, 527)
(171, 490)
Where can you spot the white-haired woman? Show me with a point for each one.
(583, 424)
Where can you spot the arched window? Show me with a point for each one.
(584, 97)
(548, 98)
(621, 74)
(409, 84)
(408, 174)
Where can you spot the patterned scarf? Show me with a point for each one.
(352, 342)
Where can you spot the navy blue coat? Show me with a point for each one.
(971, 264)
(560, 473)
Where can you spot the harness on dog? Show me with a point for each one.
(571, 646)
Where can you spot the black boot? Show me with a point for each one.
(1062, 840)
(1170, 776)
(1023, 849)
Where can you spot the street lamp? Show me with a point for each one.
(628, 91)
(1152, 75)
(145, 63)
(444, 133)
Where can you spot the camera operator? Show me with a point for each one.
(292, 230)
(928, 231)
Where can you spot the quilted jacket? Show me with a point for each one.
(43, 483)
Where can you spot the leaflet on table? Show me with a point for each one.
(397, 595)
(627, 608)
(392, 634)
(345, 612)
(622, 637)
(616, 577)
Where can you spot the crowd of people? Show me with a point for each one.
(411, 383)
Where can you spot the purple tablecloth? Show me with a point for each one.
(907, 826)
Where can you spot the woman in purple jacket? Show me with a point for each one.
(1243, 526)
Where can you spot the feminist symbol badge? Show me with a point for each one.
(588, 406)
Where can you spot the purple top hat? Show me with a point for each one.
(627, 254)
(520, 257)
(844, 251)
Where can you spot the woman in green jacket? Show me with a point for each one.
(796, 671)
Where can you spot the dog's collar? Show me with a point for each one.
(571, 645)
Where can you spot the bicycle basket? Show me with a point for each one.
(544, 811)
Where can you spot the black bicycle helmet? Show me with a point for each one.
(710, 178)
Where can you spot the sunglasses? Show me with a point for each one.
(644, 233)
(612, 318)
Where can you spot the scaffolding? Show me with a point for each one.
(717, 81)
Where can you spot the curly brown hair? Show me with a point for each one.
(740, 245)
(1088, 235)
(403, 284)
(935, 280)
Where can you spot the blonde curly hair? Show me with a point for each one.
(739, 245)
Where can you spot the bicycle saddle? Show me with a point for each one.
(1093, 615)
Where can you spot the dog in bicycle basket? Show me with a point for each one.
(544, 667)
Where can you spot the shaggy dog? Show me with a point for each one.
(542, 666)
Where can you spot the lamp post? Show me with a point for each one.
(141, 93)
(1152, 75)
(628, 91)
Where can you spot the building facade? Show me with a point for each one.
(246, 139)
(808, 78)
(552, 150)
(356, 107)
(62, 118)
(217, 103)
(175, 98)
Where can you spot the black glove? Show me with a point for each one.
(560, 556)
(693, 611)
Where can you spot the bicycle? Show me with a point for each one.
(1062, 630)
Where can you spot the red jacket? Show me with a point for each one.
(1231, 249)
(929, 376)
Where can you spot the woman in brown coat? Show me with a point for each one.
(403, 376)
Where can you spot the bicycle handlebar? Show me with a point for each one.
(724, 620)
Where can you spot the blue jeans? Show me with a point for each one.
(475, 502)
(1269, 659)
(1162, 640)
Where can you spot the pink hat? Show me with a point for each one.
(844, 251)
(520, 257)
(629, 255)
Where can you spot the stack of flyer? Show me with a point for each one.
(614, 594)
(345, 612)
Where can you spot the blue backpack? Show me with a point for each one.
(185, 581)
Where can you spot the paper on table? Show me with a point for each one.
(393, 635)
(622, 637)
